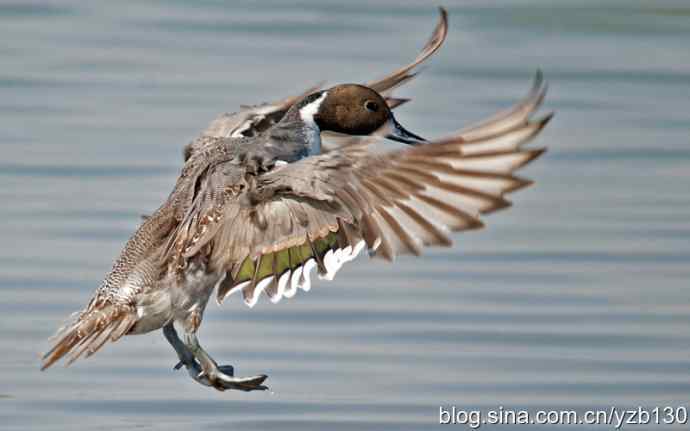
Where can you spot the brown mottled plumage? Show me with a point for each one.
(257, 206)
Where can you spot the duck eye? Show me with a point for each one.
(371, 106)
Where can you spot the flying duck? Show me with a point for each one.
(262, 202)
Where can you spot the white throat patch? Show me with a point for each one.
(309, 110)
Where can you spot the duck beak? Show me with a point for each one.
(396, 132)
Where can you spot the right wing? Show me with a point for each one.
(321, 211)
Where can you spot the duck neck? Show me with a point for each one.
(298, 127)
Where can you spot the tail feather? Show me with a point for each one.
(125, 325)
(100, 339)
(90, 332)
(80, 349)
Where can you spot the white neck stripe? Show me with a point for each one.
(308, 111)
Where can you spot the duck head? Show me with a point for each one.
(354, 109)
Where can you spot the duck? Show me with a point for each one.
(262, 203)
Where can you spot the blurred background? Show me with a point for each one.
(577, 297)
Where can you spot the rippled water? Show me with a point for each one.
(577, 297)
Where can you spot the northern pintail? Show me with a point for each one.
(260, 203)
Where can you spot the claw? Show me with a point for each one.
(178, 365)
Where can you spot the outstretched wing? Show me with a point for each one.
(405, 73)
(320, 212)
(252, 120)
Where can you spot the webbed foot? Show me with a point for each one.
(204, 370)
(222, 380)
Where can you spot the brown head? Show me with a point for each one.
(354, 109)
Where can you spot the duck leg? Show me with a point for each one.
(203, 369)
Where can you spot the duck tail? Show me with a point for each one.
(90, 331)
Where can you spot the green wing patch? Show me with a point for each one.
(265, 272)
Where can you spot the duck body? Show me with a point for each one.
(162, 290)
(261, 203)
